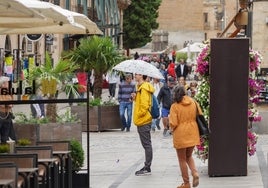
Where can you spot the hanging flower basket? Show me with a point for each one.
(202, 96)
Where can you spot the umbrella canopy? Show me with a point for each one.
(192, 48)
(14, 14)
(139, 67)
(54, 19)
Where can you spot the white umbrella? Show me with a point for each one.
(55, 20)
(192, 48)
(139, 67)
(14, 14)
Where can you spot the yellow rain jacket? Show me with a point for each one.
(143, 100)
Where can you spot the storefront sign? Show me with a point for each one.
(34, 37)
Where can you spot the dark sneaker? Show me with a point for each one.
(122, 129)
(128, 129)
(145, 171)
(164, 132)
(158, 127)
(153, 129)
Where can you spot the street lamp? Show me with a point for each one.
(122, 5)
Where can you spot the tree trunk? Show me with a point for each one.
(51, 111)
(97, 90)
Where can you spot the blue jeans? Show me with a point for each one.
(123, 106)
(155, 122)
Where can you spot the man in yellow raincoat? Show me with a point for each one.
(143, 119)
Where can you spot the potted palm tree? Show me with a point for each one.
(98, 54)
(56, 75)
(50, 80)
(101, 55)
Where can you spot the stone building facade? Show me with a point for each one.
(199, 20)
(179, 21)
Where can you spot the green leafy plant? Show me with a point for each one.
(24, 142)
(181, 55)
(22, 118)
(68, 117)
(77, 154)
(95, 102)
(96, 53)
(63, 118)
(100, 102)
(4, 148)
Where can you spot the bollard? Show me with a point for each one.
(11, 144)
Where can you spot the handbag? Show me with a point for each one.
(202, 123)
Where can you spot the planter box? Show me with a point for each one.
(80, 180)
(49, 132)
(100, 117)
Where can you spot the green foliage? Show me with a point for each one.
(77, 154)
(139, 21)
(99, 102)
(4, 148)
(68, 117)
(202, 97)
(23, 142)
(59, 71)
(181, 55)
(109, 103)
(22, 118)
(95, 102)
(98, 54)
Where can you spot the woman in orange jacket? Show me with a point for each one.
(186, 136)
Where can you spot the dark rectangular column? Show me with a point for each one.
(229, 70)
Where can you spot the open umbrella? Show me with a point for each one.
(15, 14)
(55, 20)
(192, 48)
(139, 67)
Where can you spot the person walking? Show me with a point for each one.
(143, 119)
(112, 78)
(182, 121)
(6, 116)
(165, 98)
(126, 87)
(182, 69)
(157, 86)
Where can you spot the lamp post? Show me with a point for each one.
(122, 5)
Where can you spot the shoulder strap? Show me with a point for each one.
(197, 111)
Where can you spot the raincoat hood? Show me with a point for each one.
(146, 86)
(186, 101)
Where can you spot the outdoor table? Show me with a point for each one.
(65, 166)
(27, 174)
(6, 183)
(52, 175)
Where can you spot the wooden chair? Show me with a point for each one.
(9, 171)
(47, 165)
(62, 150)
(23, 161)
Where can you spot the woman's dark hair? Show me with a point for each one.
(178, 93)
(144, 77)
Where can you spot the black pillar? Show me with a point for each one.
(229, 69)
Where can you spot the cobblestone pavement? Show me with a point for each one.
(116, 155)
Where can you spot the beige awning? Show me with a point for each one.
(42, 17)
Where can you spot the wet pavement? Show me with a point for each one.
(116, 155)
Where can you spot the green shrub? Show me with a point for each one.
(23, 142)
(77, 154)
(4, 148)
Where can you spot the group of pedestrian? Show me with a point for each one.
(179, 116)
(178, 113)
